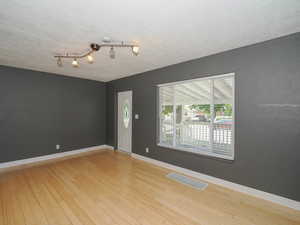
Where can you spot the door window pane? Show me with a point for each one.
(126, 114)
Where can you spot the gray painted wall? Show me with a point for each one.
(39, 110)
(267, 131)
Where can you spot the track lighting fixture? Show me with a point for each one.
(96, 47)
(112, 53)
(135, 50)
(75, 63)
(59, 62)
(90, 58)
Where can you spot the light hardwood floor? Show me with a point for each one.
(113, 188)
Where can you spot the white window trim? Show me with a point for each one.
(199, 151)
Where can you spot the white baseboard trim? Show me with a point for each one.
(52, 156)
(237, 187)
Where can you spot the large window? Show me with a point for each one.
(198, 116)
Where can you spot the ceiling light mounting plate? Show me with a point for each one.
(95, 47)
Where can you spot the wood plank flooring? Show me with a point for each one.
(113, 188)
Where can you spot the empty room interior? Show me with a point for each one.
(150, 112)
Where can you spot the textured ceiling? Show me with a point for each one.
(169, 32)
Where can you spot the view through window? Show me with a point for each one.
(198, 116)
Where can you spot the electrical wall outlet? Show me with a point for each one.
(147, 150)
(57, 147)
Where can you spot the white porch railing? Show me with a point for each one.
(196, 133)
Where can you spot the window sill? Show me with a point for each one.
(197, 151)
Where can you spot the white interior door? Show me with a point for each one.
(124, 120)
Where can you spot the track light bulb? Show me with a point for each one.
(75, 63)
(135, 50)
(59, 62)
(90, 58)
(112, 53)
